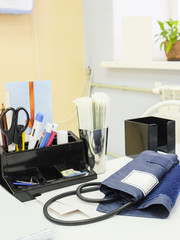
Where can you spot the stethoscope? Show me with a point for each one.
(94, 186)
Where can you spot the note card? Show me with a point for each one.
(34, 96)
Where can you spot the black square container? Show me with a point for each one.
(45, 166)
(149, 133)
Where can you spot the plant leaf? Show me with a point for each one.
(168, 46)
(157, 40)
(164, 34)
(176, 23)
(161, 45)
(174, 40)
(161, 24)
(169, 32)
(171, 22)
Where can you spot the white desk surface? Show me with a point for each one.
(16, 220)
(120, 227)
(19, 219)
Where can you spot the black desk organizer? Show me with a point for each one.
(149, 133)
(46, 165)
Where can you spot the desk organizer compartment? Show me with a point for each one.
(149, 133)
(42, 167)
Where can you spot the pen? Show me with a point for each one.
(53, 133)
(35, 130)
(46, 134)
(42, 136)
(24, 184)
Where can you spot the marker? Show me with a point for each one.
(53, 133)
(46, 134)
(35, 130)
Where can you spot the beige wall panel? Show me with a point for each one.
(56, 39)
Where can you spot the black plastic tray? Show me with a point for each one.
(45, 165)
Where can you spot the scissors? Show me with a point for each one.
(15, 133)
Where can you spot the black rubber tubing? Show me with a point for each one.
(81, 189)
(78, 191)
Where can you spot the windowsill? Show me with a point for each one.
(161, 65)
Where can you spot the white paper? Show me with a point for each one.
(89, 209)
(57, 206)
(73, 204)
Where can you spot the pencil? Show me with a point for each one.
(4, 139)
(4, 118)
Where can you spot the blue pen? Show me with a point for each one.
(23, 184)
(46, 134)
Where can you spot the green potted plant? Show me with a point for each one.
(170, 35)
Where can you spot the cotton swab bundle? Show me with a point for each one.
(93, 112)
(101, 110)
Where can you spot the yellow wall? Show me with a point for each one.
(59, 27)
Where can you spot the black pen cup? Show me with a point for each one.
(149, 133)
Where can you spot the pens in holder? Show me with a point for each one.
(53, 133)
(35, 130)
(46, 135)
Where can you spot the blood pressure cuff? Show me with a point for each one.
(151, 180)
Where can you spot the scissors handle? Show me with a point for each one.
(23, 127)
(15, 130)
(19, 128)
(8, 132)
